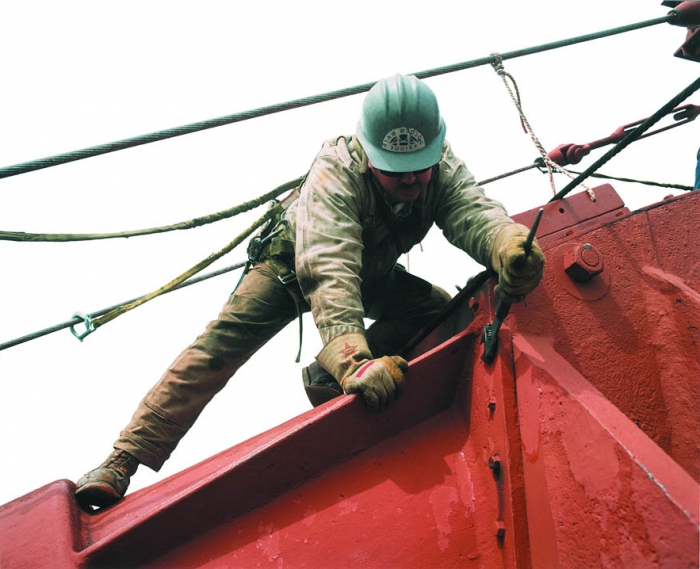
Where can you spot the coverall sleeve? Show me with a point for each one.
(468, 219)
(329, 244)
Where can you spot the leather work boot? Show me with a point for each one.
(320, 385)
(106, 484)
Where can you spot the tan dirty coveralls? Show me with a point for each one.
(347, 239)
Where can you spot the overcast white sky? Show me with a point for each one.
(77, 74)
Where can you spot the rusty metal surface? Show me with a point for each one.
(576, 447)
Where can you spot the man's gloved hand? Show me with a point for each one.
(518, 273)
(348, 359)
(380, 381)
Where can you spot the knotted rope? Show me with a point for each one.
(551, 166)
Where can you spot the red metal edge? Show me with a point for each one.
(147, 523)
(686, 14)
(596, 474)
(41, 529)
(575, 214)
(690, 49)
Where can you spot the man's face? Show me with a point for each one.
(402, 187)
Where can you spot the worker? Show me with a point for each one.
(366, 200)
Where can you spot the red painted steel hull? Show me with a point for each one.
(576, 447)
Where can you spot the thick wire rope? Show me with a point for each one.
(8, 171)
(631, 137)
(538, 164)
(643, 182)
(508, 174)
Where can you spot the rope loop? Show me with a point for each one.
(89, 325)
(515, 96)
(497, 62)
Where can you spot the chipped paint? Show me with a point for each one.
(441, 499)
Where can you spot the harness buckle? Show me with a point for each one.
(257, 244)
(288, 278)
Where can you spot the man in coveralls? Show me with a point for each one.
(366, 200)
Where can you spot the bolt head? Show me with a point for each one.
(583, 262)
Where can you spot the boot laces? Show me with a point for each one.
(122, 461)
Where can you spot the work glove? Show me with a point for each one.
(348, 359)
(518, 273)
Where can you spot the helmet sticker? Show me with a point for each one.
(403, 139)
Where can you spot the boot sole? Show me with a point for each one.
(98, 495)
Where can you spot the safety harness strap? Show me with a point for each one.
(288, 278)
(275, 248)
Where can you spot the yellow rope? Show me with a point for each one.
(112, 314)
(192, 223)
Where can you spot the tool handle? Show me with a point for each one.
(490, 336)
(502, 309)
(531, 236)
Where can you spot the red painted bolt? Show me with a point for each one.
(495, 462)
(590, 256)
(583, 262)
(500, 529)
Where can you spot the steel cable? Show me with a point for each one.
(643, 182)
(58, 159)
(630, 138)
(77, 320)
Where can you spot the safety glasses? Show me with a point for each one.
(402, 174)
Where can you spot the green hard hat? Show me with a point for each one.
(400, 128)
